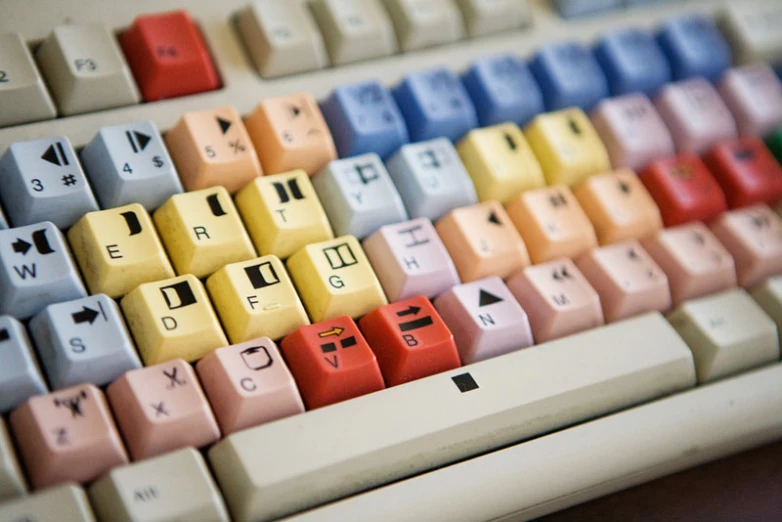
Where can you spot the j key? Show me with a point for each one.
(20, 377)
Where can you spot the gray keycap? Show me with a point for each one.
(130, 164)
(83, 341)
(20, 377)
(43, 181)
(3, 222)
(36, 269)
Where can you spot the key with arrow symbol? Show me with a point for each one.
(335, 331)
(85, 315)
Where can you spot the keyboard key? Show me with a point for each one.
(569, 76)
(118, 250)
(500, 162)
(281, 38)
(256, 298)
(435, 104)
(354, 30)
(632, 61)
(774, 143)
(36, 269)
(66, 502)
(753, 94)
(130, 164)
(487, 17)
(431, 178)
(694, 47)
(332, 362)
(769, 297)
(358, 195)
(567, 147)
(753, 31)
(3, 222)
(167, 56)
(44, 182)
(633, 132)
(683, 189)
(162, 408)
(85, 70)
(20, 377)
(579, 8)
(410, 260)
(696, 115)
(172, 319)
(12, 481)
(410, 340)
(552, 224)
(627, 280)
(482, 242)
(425, 23)
(363, 117)
(503, 89)
(249, 384)
(290, 133)
(694, 260)
(282, 213)
(334, 278)
(728, 333)
(619, 207)
(24, 93)
(68, 435)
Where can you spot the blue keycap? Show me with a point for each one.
(364, 117)
(435, 104)
(632, 62)
(569, 75)
(694, 47)
(503, 89)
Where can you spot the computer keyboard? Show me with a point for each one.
(382, 259)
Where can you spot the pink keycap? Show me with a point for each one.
(632, 131)
(753, 93)
(694, 260)
(753, 236)
(162, 408)
(695, 114)
(409, 259)
(249, 384)
(67, 435)
(627, 280)
(558, 299)
(485, 319)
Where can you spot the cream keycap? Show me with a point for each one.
(172, 319)
(425, 23)
(12, 481)
(486, 17)
(354, 30)
(66, 502)
(334, 278)
(118, 249)
(500, 162)
(256, 298)
(24, 94)
(769, 297)
(283, 214)
(202, 231)
(213, 148)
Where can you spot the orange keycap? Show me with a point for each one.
(410, 340)
(290, 133)
(331, 362)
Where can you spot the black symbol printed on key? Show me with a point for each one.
(131, 219)
(347, 342)
(68, 180)
(561, 274)
(5, 335)
(214, 205)
(138, 140)
(86, 315)
(340, 256)
(414, 240)
(173, 379)
(428, 159)
(73, 403)
(256, 358)
(367, 173)
(160, 409)
(40, 241)
(465, 382)
(262, 275)
(178, 295)
(487, 298)
(557, 200)
(414, 324)
(224, 124)
(493, 219)
(55, 155)
(293, 188)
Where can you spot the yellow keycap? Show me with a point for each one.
(202, 232)
(335, 278)
(283, 213)
(172, 319)
(567, 147)
(500, 162)
(256, 299)
(118, 249)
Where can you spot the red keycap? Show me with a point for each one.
(683, 189)
(331, 362)
(747, 172)
(410, 340)
(168, 57)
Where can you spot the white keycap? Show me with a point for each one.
(175, 486)
(727, 333)
(425, 23)
(769, 297)
(130, 164)
(85, 69)
(358, 195)
(57, 504)
(431, 178)
(281, 37)
(753, 31)
(275, 469)
(485, 17)
(20, 376)
(12, 483)
(23, 93)
(43, 181)
(355, 30)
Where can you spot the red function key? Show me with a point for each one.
(168, 57)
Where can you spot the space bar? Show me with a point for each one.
(307, 460)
